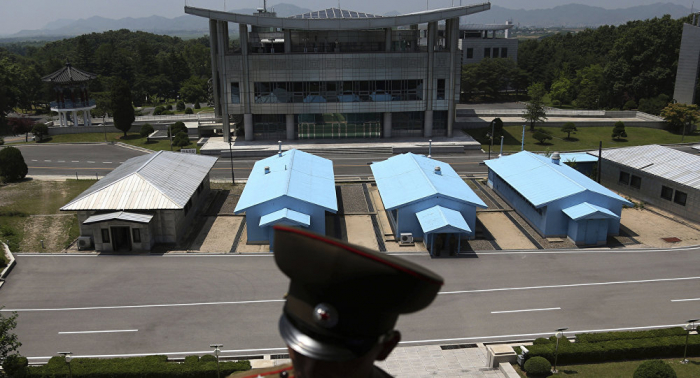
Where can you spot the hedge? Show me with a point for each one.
(142, 367)
(629, 335)
(618, 350)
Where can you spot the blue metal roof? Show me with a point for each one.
(287, 217)
(540, 181)
(407, 178)
(294, 174)
(438, 219)
(579, 157)
(588, 211)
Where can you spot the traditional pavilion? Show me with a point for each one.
(71, 89)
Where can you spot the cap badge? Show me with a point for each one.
(325, 315)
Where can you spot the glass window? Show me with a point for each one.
(235, 93)
(680, 198)
(666, 193)
(636, 182)
(496, 52)
(487, 52)
(441, 89)
(105, 235)
(136, 235)
(624, 178)
(504, 52)
(470, 53)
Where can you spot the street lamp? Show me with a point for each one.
(430, 147)
(688, 327)
(559, 335)
(488, 135)
(230, 151)
(501, 153)
(522, 143)
(67, 357)
(216, 353)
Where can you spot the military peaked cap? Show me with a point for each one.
(343, 297)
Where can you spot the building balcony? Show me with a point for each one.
(68, 104)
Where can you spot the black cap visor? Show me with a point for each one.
(317, 348)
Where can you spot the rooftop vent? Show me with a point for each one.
(556, 158)
(438, 171)
(267, 170)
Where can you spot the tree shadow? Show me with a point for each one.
(572, 139)
(621, 140)
(544, 144)
(130, 137)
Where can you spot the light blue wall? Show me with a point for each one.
(589, 232)
(262, 234)
(408, 221)
(519, 203)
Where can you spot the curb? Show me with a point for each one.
(10, 265)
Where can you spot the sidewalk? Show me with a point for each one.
(432, 361)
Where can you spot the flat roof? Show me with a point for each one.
(339, 23)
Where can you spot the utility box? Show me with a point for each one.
(499, 354)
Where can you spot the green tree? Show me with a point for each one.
(654, 369)
(534, 110)
(12, 168)
(9, 89)
(619, 130)
(654, 105)
(40, 130)
(9, 343)
(568, 128)
(542, 135)
(497, 128)
(177, 127)
(146, 130)
(590, 82)
(194, 90)
(681, 116)
(489, 78)
(561, 91)
(21, 125)
(122, 109)
(181, 140)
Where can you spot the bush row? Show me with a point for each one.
(617, 350)
(142, 367)
(629, 335)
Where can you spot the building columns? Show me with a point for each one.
(214, 44)
(246, 96)
(85, 118)
(387, 39)
(221, 27)
(428, 131)
(248, 126)
(75, 117)
(429, 87)
(455, 69)
(289, 118)
(387, 125)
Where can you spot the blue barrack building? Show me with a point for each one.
(291, 188)
(555, 199)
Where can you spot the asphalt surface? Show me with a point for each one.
(178, 305)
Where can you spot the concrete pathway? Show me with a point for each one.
(432, 361)
(504, 231)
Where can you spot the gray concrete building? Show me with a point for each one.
(688, 61)
(337, 73)
(663, 177)
(478, 42)
(147, 200)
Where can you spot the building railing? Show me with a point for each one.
(68, 104)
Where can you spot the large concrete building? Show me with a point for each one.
(688, 64)
(479, 42)
(555, 199)
(337, 73)
(148, 199)
(666, 178)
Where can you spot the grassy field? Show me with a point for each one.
(29, 213)
(133, 139)
(586, 138)
(623, 369)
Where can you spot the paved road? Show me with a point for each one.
(100, 159)
(181, 304)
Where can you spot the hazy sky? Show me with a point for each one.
(16, 15)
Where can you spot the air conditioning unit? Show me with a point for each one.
(84, 242)
(406, 238)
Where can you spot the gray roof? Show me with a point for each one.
(164, 180)
(120, 215)
(335, 13)
(68, 74)
(340, 23)
(673, 165)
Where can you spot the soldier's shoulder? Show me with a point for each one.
(286, 370)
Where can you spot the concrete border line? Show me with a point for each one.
(10, 265)
(132, 147)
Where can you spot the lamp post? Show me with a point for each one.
(522, 143)
(488, 135)
(430, 147)
(501, 153)
(216, 353)
(230, 152)
(67, 357)
(688, 327)
(559, 334)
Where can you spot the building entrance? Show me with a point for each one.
(121, 242)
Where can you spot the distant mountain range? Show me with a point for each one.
(574, 15)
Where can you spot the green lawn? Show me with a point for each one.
(133, 139)
(20, 201)
(623, 369)
(586, 138)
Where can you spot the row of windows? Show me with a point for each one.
(496, 52)
(135, 235)
(631, 180)
(677, 197)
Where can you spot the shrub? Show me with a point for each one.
(15, 366)
(629, 335)
(181, 140)
(2, 141)
(146, 130)
(180, 105)
(541, 341)
(177, 128)
(629, 105)
(158, 110)
(40, 130)
(208, 358)
(191, 360)
(542, 135)
(197, 106)
(654, 369)
(189, 111)
(12, 165)
(568, 128)
(538, 366)
(168, 107)
(619, 130)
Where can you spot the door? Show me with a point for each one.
(594, 227)
(121, 240)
